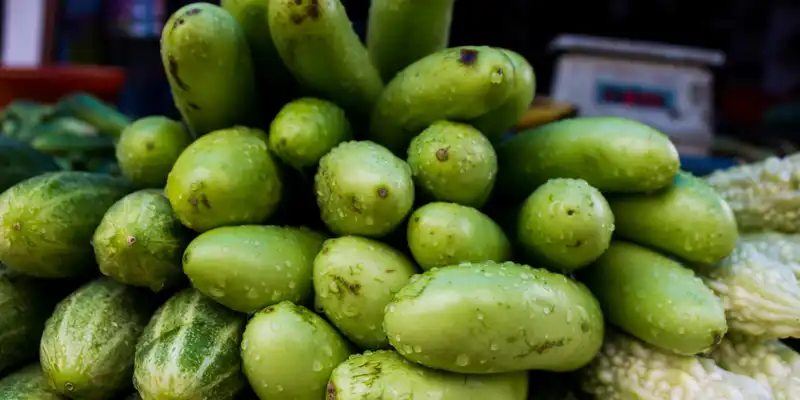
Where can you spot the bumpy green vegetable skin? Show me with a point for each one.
(88, 344)
(47, 222)
(209, 67)
(288, 352)
(400, 32)
(140, 242)
(496, 123)
(226, 177)
(354, 280)
(306, 129)
(772, 363)
(494, 317)
(760, 292)
(25, 304)
(453, 162)
(386, 375)
(263, 266)
(687, 219)
(459, 84)
(316, 41)
(190, 350)
(363, 189)
(565, 224)
(612, 154)
(442, 234)
(273, 78)
(763, 195)
(656, 299)
(28, 383)
(629, 369)
(148, 148)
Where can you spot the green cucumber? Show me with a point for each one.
(190, 350)
(88, 344)
(209, 67)
(47, 222)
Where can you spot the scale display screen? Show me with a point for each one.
(635, 96)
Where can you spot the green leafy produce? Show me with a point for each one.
(760, 293)
(565, 224)
(140, 242)
(47, 222)
(148, 148)
(626, 368)
(19, 161)
(453, 162)
(442, 234)
(772, 363)
(354, 279)
(481, 326)
(762, 195)
(288, 352)
(104, 117)
(190, 350)
(226, 177)
(386, 375)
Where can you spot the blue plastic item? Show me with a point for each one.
(701, 166)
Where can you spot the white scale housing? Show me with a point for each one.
(667, 87)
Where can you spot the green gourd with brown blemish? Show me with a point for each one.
(209, 68)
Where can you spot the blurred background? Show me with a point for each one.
(721, 77)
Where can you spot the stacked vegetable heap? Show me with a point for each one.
(345, 221)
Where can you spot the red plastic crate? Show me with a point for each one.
(48, 84)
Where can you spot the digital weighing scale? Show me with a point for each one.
(667, 87)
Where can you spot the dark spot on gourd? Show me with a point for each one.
(324, 250)
(312, 11)
(549, 344)
(330, 391)
(131, 240)
(193, 11)
(17, 226)
(578, 243)
(500, 71)
(204, 200)
(389, 271)
(173, 71)
(570, 212)
(468, 56)
(193, 106)
(150, 145)
(383, 192)
(268, 310)
(442, 154)
(186, 258)
(354, 205)
(193, 201)
(585, 326)
(353, 288)
(416, 219)
(178, 22)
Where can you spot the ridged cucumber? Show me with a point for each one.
(47, 222)
(88, 343)
(28, 383)
(190, 350)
